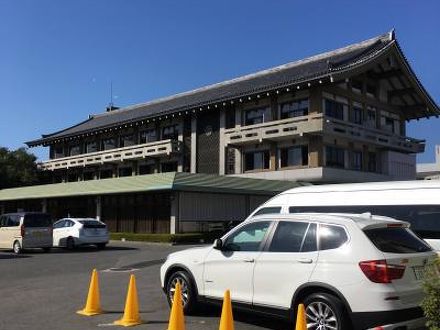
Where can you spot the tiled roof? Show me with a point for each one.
(298, 72)
(153, 182)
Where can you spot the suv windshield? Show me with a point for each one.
(37, 220)
(396, 240)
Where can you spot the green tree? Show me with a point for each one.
(431, 302)
(18, 168)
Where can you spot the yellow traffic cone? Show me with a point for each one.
(131, 311)
(301, 322)
(227, 320)
(177, 319)
(93, 305)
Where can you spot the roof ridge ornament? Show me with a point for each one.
(392, 34)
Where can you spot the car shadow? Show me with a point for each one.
(250, 318)
(89, 249)
(14, 256)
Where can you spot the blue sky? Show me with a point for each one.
(58, 57)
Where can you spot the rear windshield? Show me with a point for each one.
(396, 240)
(92, 224)
(37, 220)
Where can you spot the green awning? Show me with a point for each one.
(153, 182)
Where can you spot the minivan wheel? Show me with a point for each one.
(189, 296)
(325, 312)
(16, 247)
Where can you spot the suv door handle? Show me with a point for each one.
(249, 260)
(305, 261)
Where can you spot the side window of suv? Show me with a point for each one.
(331, 237)
(288, 237)
(247, 238)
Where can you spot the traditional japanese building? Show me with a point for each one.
(335, 117)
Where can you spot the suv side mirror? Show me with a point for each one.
(218, 244)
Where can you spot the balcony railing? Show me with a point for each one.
(319, 124)
(139, 151)
(372, 135)
(274, 130)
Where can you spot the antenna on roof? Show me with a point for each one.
(111, 106)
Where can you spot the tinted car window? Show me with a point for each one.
(13, 220)
(269, 210)
(288, 236)
(59, 224)
(396, 240)
(331, 237)
(37, 220)
(310, 241)
(92, 224)
(247, 238)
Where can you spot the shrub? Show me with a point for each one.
(431, 302)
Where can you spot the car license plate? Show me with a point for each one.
(419, 272)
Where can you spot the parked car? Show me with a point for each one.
(73, 232)
(350, 271)
(417, 202)
(25, 230)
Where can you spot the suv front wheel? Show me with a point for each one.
(325, 312)
(189, 296)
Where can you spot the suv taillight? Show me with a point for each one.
(22, 231)
(379, 271)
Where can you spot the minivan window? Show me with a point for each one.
(13, 220)
(269, 210)
(247, 238)
(37, 220)
(331, 237)
(288, 237)
(396, 240)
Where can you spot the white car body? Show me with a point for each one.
(79, 231)
(278, 281)
(417, 202)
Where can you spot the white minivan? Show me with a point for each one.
(417, 202)
(25, 230)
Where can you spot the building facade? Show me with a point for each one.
(335, 117)
(430, 171)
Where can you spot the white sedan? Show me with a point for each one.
(73, 232)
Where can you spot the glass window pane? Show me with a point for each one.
(269, 210)
(288, 237)
(310, 242)
(331, 237)
(248, 237)
(396, 240)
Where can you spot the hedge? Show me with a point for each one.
(167, 238)
(431, 302)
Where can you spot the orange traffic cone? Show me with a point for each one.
(301, 322)
(227, 320)
(131, 311)
(177, 319)
(93, 305)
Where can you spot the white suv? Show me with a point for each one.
(350, 271)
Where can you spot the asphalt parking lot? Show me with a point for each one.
(44, 290)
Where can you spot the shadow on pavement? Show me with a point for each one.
(89, 249)
(14, 256)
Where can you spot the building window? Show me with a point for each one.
(371, 117)
(58, 152)
(294, 156)
(108, 144)
(230, 161)
(126, 140)
(170, 132)
(335, 157)
(169, 167)
(372, 162)
(356, 86)
(104, 174)
(88, 176)
(356, 114)
(295, 109)
(148, 135)
(125, 171)
(371, 90)
(146, 169)
(256, 116)
(258, 160)
(388, 124)
(74, 150)
(356, 160)
(91, 146)
(334, 109)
